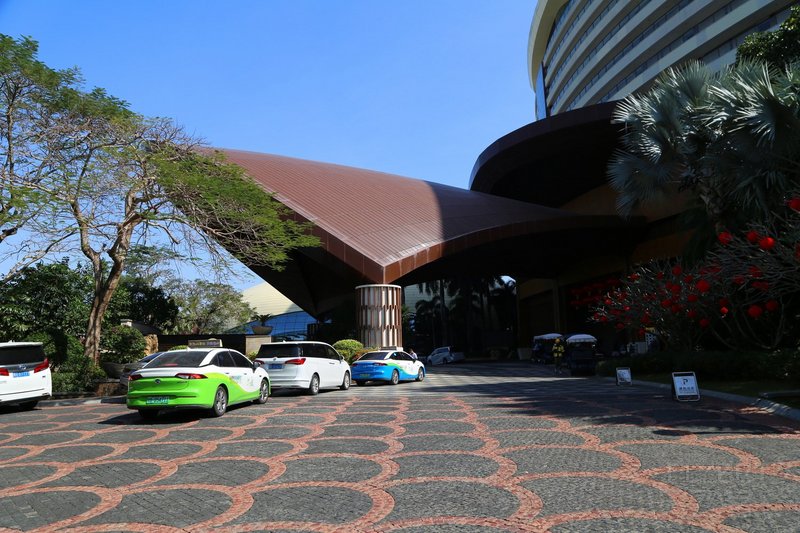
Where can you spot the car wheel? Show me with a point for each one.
(360, 382)
(148, 414)
(29, 405)
(263, 392)
(345, 382)
(220, 402)
(420, 375)
(395, 377)
(313, 386)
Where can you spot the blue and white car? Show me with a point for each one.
(387, 365)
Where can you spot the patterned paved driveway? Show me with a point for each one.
(473, 448)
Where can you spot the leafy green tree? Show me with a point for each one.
(46, 297)
(778, 47)
(32, 99)
(112, 178)
(208, 307)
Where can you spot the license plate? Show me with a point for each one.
(275, 367)
(20, 374)
(156, 400)
(363, 375)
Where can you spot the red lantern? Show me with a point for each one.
(766, 243)
(677, 270)
(772, 306)
(754, 311)
(724, 310)
(725, 238)
(702, 286)
(794, 204)
(753, 236)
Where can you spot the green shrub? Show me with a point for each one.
(76, 374)
(122, 344)
(348, 348)
(57, 345)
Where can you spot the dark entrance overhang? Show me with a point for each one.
(550, 161)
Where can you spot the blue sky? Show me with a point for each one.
(411, 87)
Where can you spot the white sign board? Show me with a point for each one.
(624, 376)
(684, 386)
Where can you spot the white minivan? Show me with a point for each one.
(24, 374)
(305, 365)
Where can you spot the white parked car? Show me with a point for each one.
(443, 356)
(24, 374)
(307, 365)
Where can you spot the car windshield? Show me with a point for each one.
(182, 358)
(21, 354)
(279, 350)
(373, 356)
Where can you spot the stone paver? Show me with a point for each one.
(473, 448)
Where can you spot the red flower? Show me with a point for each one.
(761, 285)
(677, 270)
(703, 286)
(724, 310)
(725, 238)
(794, 204)
(753, 236)
(766, 243)
(772, 305)
(704, 322)
(754, 311)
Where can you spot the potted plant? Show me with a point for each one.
(262, 328)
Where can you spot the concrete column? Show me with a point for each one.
(379, 317)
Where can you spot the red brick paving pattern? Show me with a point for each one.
(725, 436)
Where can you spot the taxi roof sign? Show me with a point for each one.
(205, 343)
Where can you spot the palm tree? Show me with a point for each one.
(731, 139)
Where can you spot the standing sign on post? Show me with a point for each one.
(684, 387)
(624, 376)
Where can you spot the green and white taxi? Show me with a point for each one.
(197, 378)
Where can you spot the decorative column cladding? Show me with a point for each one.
(379, 315)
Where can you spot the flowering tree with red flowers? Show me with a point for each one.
(744, 294)
(660, 297)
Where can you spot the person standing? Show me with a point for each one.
(558, 355)
(412, 353)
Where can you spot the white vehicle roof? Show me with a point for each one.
(581, 337)
(547, 336)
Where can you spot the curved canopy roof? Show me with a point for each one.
(382, 228)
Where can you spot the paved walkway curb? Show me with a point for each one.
(762, 403)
